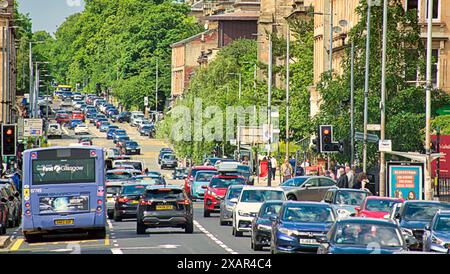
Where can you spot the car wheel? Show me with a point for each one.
(238, 233)
(117, 218)
(291, 197)
(140, 228)
(233, 231)
(189, 227)
(206, 213)
(32, 238)
(257, 247)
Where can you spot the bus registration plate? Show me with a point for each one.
(164, 207)
(64, 222)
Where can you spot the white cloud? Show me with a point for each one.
(73, 3)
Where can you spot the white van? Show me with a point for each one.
(135, 115)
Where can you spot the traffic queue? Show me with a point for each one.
(312, 214)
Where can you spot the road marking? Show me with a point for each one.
(17, 244)
(106, 240)
(168, 246)
(214, 239)
(110, 225)
(116, 251)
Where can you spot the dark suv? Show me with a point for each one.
(123, 117)
(127, 201)
(165, 206)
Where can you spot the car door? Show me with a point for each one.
(309, 190)
(324, 185)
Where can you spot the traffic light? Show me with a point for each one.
(9, 140)
(326, 138)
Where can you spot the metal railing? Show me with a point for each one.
(442, 189)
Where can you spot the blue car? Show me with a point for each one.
(104, 126)
(298, 225)
(414, 216)
(262, 224)
(437, 234)
(74, 123)
(363, 236)
(110, 132)
(118, 132)
(117, 137)
(200, 182)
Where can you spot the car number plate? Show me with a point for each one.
(308, 241)
(134, 202)
(164, 207)
(64, 222)
(133, 150)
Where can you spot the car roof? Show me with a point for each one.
(361, 220)
(151, 187)
(119, 170)
(294, 203)
(203, 168)
(262, 188)
(227, 176)
(425, 202)
(383, 198)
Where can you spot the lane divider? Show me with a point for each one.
(115, 249)
(214, 239)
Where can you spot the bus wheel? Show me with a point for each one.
(32, 238)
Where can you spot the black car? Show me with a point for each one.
(262, 224)
(127, 201)
(131, 148)
(414, 216)
(123, 117)
(165, 206)
(145, 130)
(162, 152)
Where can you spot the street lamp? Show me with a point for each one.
(36, 88)
(32, 99)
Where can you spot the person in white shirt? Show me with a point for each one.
(350, 176)
(273, 163)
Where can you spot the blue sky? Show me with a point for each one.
(49, 14)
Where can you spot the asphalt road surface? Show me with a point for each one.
(208, 237)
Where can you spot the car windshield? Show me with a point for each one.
(133, 190)
(164, 193)
(150, 181)
(132, 144)
(261, 195)
(204, 176)
(268, 210)
(169, 157)
(120, 132)
(234, 192)
(364, 234)
(442, 224)
(294, 182)
(308, 214)
(350, 198)
(380, 205)
(224, 183)
(422, 212)
(112, 189)
(118, 175)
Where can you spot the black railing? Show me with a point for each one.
(442, 189)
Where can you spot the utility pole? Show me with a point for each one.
(331, 39)
(429, 86)
(3, 75)
(269, 96)
(352, 106)
(156, 90)
(366, 88)
(382, 186)
(8, 76)
(31, 79)
(288, 36)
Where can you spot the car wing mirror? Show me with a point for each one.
(358, 208)
(234, 200)
(273, 218)
(204, 187)
(427, 227)
(307, 185)
(411, 241)
(397, 215)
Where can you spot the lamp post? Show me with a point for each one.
(429, 86)
(382, 182)
(36, 88)
(31, 93)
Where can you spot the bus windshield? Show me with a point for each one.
(63, 171)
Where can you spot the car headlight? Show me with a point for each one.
(264, 227)
(436, 240)
(244, 214)
(343, 212)
(288, 232)
(407, 232)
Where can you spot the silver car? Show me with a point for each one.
(111, 191)
(226, 206)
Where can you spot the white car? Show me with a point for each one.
(249, 203)
(81, 129)
(54, 130)
(134, 117)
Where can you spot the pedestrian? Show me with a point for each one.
(350, 176)
(361, 181)
(273, 162)
(286, 170)
(292, 161)
(300, 171)
(146, 171)
(342, 180)
(245, 160)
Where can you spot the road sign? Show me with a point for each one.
(32, 127)
(385, 145)
(374, 127)
(20, 128)
(251, 135)
(445, 110)
(371, 138)
(146, 101)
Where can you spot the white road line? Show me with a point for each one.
(213, 238)
(110, 224)
(116, 251)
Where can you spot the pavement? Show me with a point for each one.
(121, 238)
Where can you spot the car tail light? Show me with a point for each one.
(123, 199)
(184, 202)
(144, 202)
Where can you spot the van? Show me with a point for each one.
(54, 130)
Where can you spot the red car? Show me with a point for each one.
(62, 118)
(216, 190)
(376, 207)
(78, 115)
(191, 176)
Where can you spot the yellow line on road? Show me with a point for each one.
(107, 240)
(17, 244)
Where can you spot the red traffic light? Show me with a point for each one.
(326, 131)
(9, 131)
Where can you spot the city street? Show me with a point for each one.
(208, 237)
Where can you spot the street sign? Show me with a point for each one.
(445, 110)
(385, 145)
(233, 142)
(374, 127)
(371, 138)
(146, 101)
(32, 127)
(20, 128)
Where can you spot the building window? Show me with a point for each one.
(436, 9)
(412, 4)
(435, 68)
